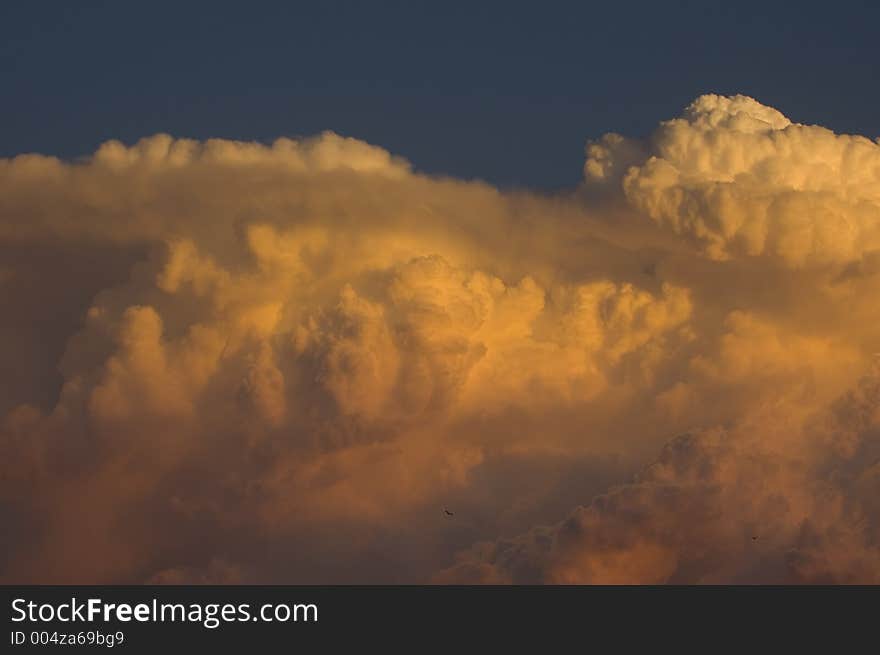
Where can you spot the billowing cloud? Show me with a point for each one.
(237, 362)
(739, 179)
(767, 500)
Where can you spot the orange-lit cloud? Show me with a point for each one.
(236, 362)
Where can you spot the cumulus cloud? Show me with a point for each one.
(739, 179)
(238, 362)
(771, 499)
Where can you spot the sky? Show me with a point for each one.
(456, 88)
(493, 296)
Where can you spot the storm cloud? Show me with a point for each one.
(237, 362)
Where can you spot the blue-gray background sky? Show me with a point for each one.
(506, 92)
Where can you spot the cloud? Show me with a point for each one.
(233, 361)
(768, 500)
(739, 179)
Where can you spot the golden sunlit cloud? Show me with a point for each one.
(232, 362)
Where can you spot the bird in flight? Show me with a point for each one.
(448, 513)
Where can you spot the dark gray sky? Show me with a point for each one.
(507, 92)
